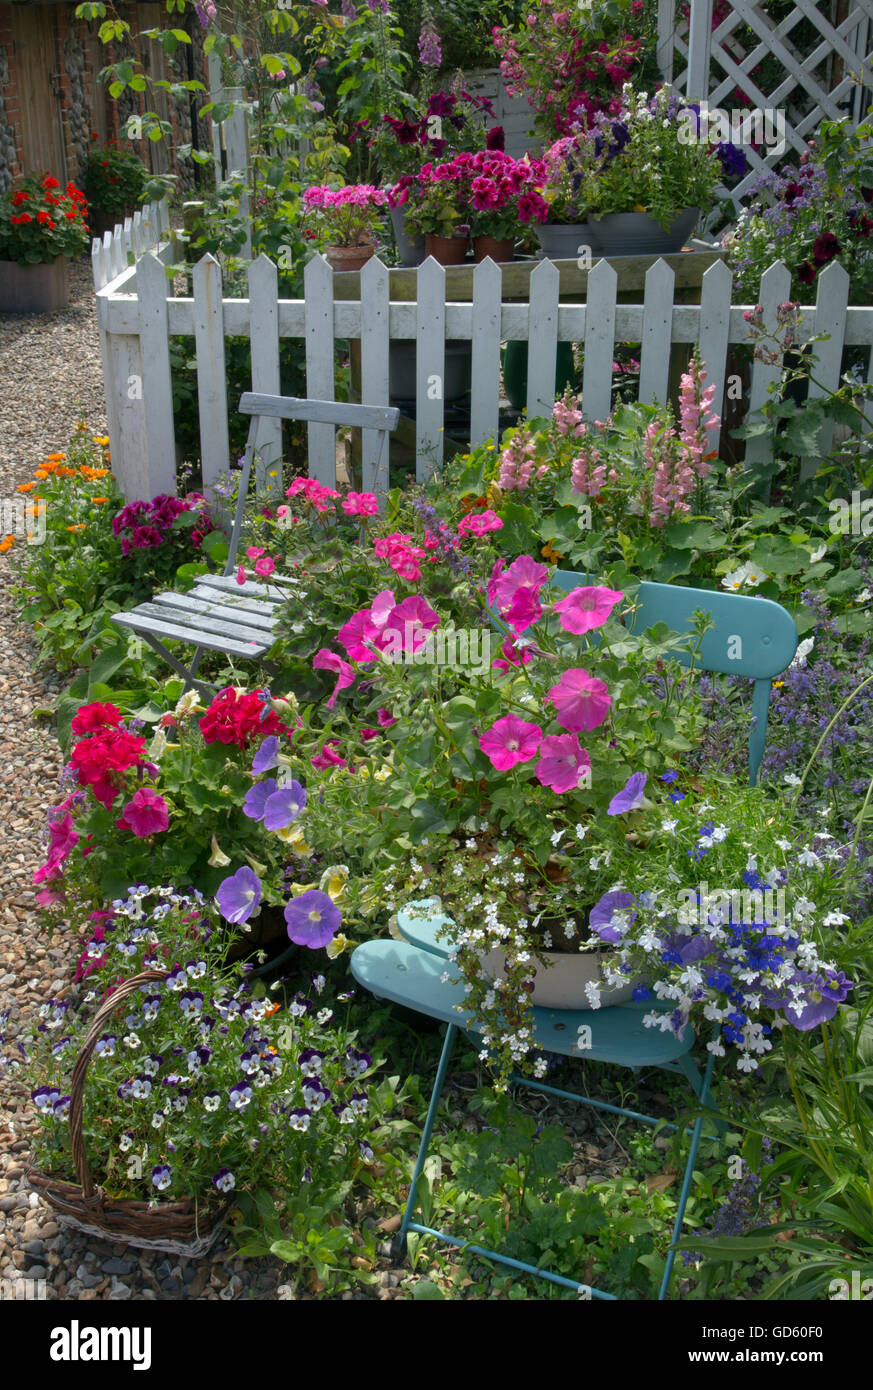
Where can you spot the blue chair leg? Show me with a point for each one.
(703, 1097)
(445, 1057)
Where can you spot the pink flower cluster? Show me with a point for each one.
(518, 464)
(317, 494)
(401, 553)
(354, 195)
(490, 181)
(479, 523)
(587, 474)
(146, 525)
(695, 414)
(380, 624)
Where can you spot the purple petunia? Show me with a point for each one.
(313, 919)
(267, 756)
(239, 896)
(284, 806)
(630, 797)
(612, 916)
(257, 797)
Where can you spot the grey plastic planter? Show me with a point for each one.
(410, 249)
(620, 234)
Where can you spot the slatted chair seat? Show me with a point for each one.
(219, 614)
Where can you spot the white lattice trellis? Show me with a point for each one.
(825, 83)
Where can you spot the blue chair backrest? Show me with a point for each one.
(752, 637)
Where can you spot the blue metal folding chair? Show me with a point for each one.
(751, 637)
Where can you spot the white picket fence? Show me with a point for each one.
(830, 80)
(138, 315)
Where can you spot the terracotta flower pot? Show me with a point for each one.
(500, 249)
(349, 257)
(34, 289)
(448, 250)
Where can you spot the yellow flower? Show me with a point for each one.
(394, 930)
(333, 881)
(217, 859)
(336, 947)
(100, 439)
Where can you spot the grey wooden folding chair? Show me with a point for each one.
(218, 614)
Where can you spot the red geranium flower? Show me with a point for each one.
(233, 718)
(90, 718)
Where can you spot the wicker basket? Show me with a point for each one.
(183, 1228)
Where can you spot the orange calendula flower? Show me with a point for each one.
(40, 473)
(64, 472)
(548, 552)
(6, 544)
(80, 526)
(25, 487)
(99, 499)
(102, 439)
(60, 457)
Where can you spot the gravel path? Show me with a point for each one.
(50, 376)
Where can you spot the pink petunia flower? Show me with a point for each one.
(511, 655)
(581, 701)
(563, 762)
(586, 608)
(410, 621)
(511, 740)
(325, 660)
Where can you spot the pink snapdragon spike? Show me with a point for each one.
(145, 814)
(581, 701)
(480, 524)
(563, 763)
(511, 740)
(587, 608)
(325, 660)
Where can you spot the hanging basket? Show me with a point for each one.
(181, 1228)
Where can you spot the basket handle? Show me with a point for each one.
(77, 1082)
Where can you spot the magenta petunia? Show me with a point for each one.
(145, 814)
(581, 701)
(511, 740)
(563, 763)
(325, 660)
(366, 626)
(586, 608)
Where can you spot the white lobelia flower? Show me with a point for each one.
(791, 779)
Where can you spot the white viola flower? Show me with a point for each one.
(835, 919)
(668, 826)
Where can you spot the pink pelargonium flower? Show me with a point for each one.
(581, 701)
(145, 814)
(325, 660)
(361, 504)
(563, 763)
(265, 566)
(511, 740)
(480, 524)
(586, 608)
